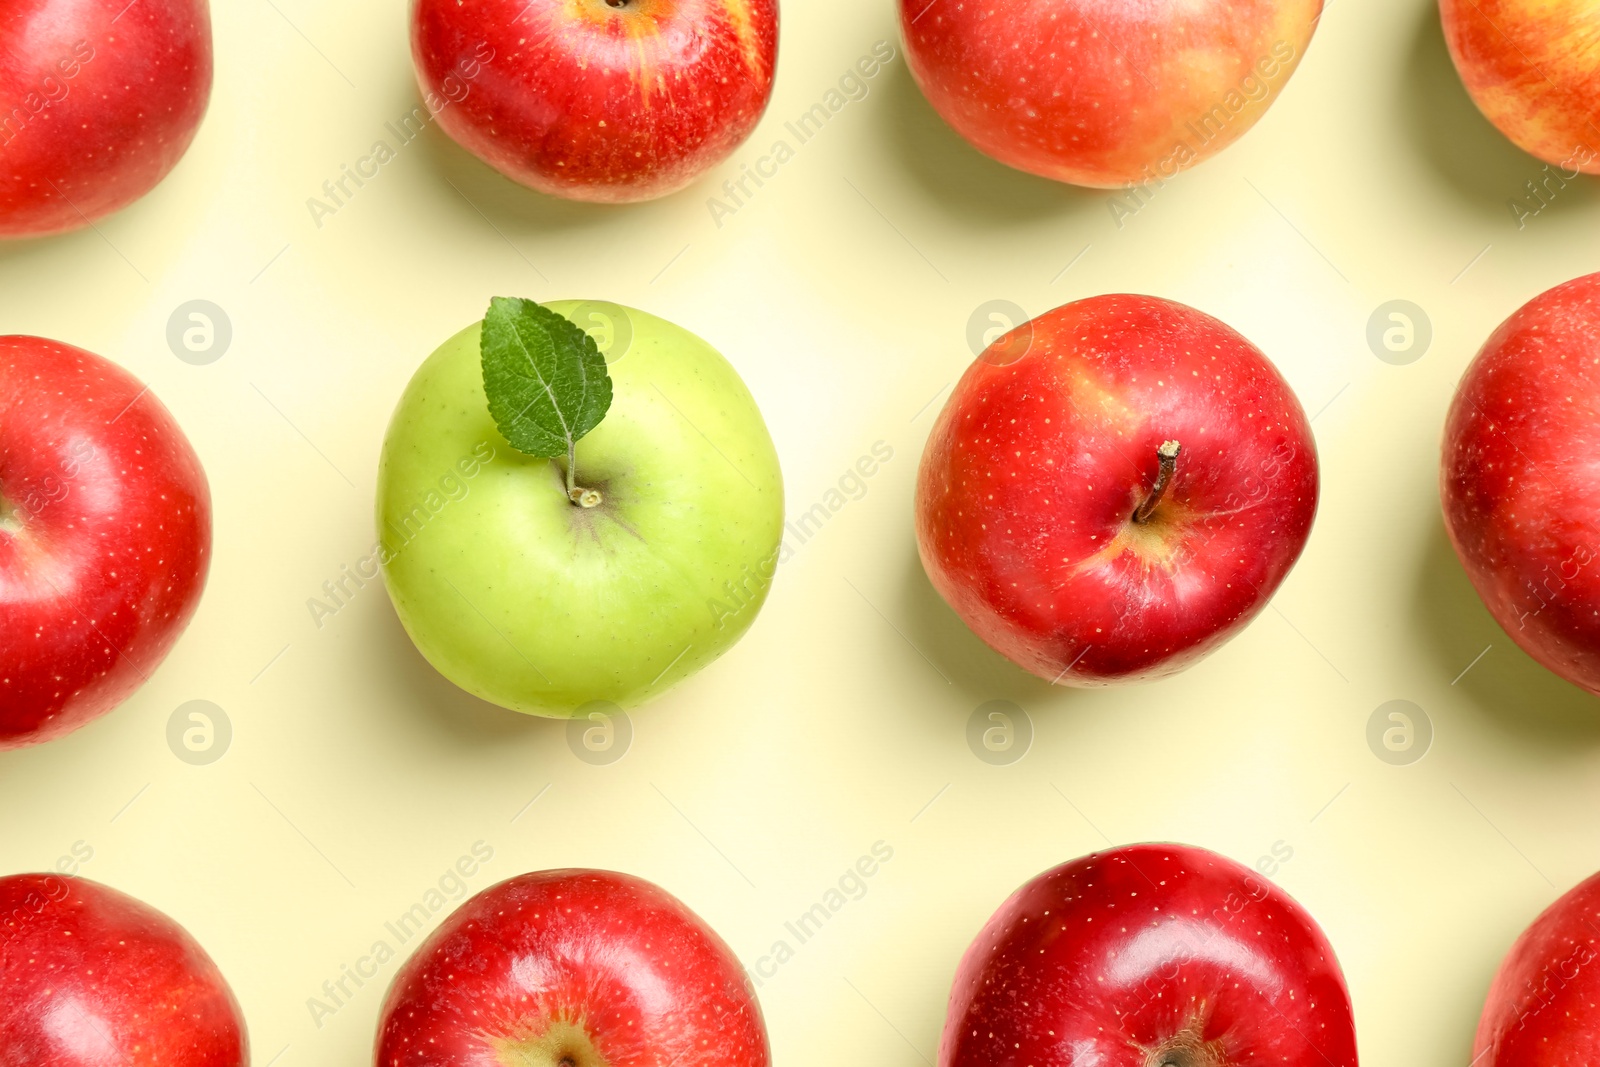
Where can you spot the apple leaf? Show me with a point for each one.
(546, 381)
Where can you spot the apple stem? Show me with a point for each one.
(1168, 455)
(584, 498)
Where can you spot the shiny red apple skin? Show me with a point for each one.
(126, 85)
(108, 541)
(1103, 94)
(90, 977)
(1543, 1006)
(1048, 444)
(642, 980)
(1148, 955)
(1533, 69)
(1520, 491)
(580, 99)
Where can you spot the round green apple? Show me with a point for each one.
(544, 598)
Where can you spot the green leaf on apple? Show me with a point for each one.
(546, 382)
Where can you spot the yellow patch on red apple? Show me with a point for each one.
(745, 29)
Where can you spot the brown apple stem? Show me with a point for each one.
(1168, 455)
(584, 498)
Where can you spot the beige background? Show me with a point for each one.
(842, 292)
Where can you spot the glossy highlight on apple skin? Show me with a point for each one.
(1153, 955)
(99, 99)
(1543, 1006)
(1052, 440)
(1104, 93)
(603, 100)
(105, 537)
(1519, 483)
(572, 968)
(91, 977)
(1533, 69)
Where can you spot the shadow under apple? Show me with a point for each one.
(1473, 157)
(62, 254)
(441, 707)
(504, 203)
(1507, 686)
(463, 176)
(969, 185)
(977, 672)
(24, 248)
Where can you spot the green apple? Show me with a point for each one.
(544, 591)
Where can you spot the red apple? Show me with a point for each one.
(1149, 956)
(607, 100)
(90, 977)
(1544, 1004)
(1104, 94)
(1520, 486)
(572, 969)
(1533, 69)
(1114, 489)
(105, 537)
(99, 99)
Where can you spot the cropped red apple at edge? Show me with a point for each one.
(1149, 956)
(572, 968)
(1114, 489)
(1533, 69)
(1543, 1006)
(1104, 94)
(90, 977)
(602, 100)
(99, 99)
(1519, 482)
(105, 537)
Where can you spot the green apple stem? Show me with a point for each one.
(584, 498)
(1168, 455)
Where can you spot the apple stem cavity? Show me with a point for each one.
(1168, 455)
(1186, 1049)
